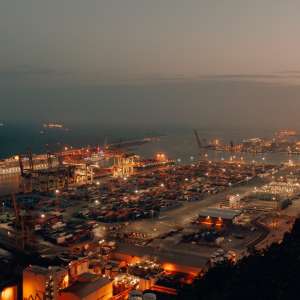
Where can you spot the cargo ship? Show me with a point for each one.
(53, 125)
(11, 166)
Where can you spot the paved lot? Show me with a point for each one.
(181, 216)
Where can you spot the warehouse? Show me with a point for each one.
(218, 216)
(88, 287)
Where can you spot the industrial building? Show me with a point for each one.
(8, 291)
(218, 216)
(43, 283)
(88, 287)
(180, 262)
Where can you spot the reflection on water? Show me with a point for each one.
(9, 184)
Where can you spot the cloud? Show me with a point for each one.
(26, 71)
(289, 72)
(28, 75)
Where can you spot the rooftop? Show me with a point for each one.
(175, 256)
(85, 288)
(228, 214)
(42, 270)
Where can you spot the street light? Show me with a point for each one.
(56, 197)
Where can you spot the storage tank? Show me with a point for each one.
(108, 269)
(149, 296)
(135, 295)
(114, 272)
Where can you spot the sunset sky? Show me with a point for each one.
(211, 56)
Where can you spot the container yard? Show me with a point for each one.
(147, 224)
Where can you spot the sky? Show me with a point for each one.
(233, 62)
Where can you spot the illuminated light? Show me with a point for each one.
(186, 179)
(66, 148)
(192, 158)
(219, 222)
(209, 222)
(98, 183)
(56, 192)
(162, 185)
(43, 216)
(7, 294)
(136, 191)
(65, 282)
(169, 267)
(97, 202)
(160, 156)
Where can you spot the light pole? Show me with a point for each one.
(56, 197)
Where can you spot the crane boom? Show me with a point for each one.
(31, 165)
(21, 164)
(49, 160)
(198, 139)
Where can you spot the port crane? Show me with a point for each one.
(198, 139)
(199, 143)
(23, 226)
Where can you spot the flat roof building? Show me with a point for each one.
(172, 260)
(225, 214)
(88, 287)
